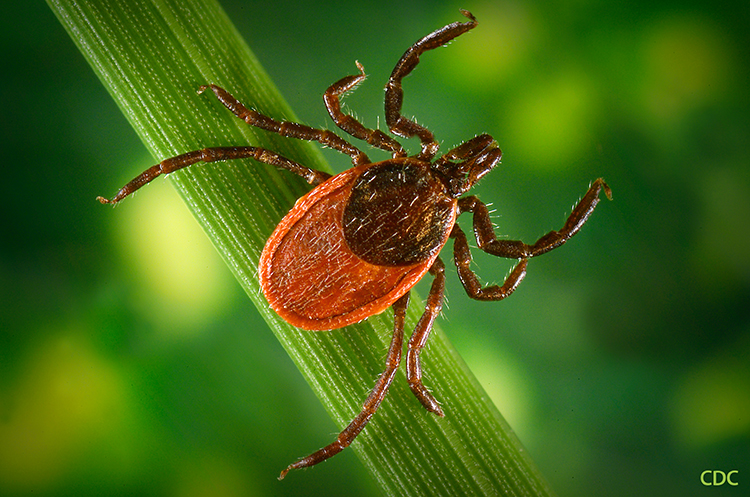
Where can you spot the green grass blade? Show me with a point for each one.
(152, 55)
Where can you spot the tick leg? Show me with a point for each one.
(419, 339)
(470, 281)
(392, 361)
(212, 155)
(374, 137)
(466, 150)
(514, 249)
(286, 128)
(394, 93)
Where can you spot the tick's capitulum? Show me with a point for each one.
(359, 241)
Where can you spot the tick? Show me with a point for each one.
(360, 240)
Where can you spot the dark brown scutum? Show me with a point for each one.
(397, 214)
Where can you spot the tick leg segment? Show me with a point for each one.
(212, 155)
(374, 137)
(394, 93)
(419, 339)
(470, 281)
(514, 249)
(393, 359)
(286, 128)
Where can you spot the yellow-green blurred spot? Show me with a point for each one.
(505, 382)
(551, 122)
(182, 280)
(212, 476)
(719, 256)
(687, 63)
(712, 403)
(493, 50)
(67, 399)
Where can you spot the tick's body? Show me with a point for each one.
(355, 244)
(359, 241)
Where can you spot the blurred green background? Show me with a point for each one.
(131, 363)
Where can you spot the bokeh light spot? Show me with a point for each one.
(686, 64)
(551, 123)
(505, 382)
(213, 476)
(495, 50)
(67, 398)
(712, 402)
(719, 256)
(183, 280)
